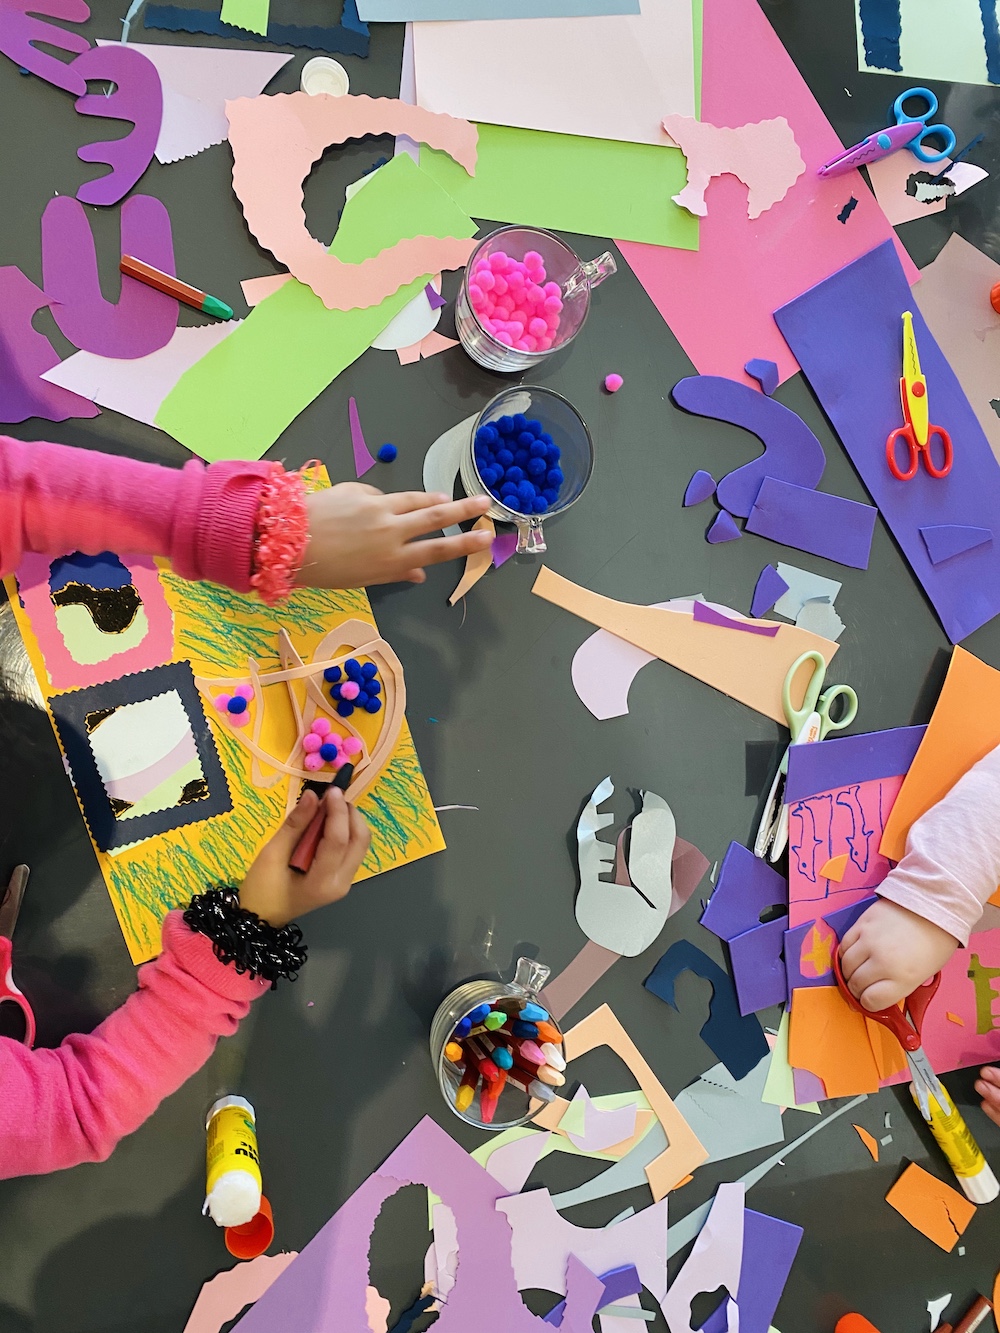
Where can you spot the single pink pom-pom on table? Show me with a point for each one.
(311, 742)
(350, 690)
(351, 746)
(221, 702)
(243, 692)
(313, 762)
(613, 382)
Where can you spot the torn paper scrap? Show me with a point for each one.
(779, 1088)
(764, 156)
(414, 321)
(715, 1261)
(869, 1140)
(476, 564)
(934, 1208)
(728, 1114)
(818, 615)
(803, 586)
(910, 39)
(936, 1309)
(770, 587)
(224, 1296)
(602, 1129)
(26, 356)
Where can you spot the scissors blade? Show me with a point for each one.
(926, 1083)
(772, 812)
(10, 904)
(914, 384)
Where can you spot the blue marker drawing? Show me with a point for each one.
(860, 834)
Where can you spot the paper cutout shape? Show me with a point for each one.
(908, 40)
(715, 1261)
(847, 210)
(819, 616)
(707, 615)
(834, 868)
(26, 354)
(830, 1039)
(748, 667)
(723, 529)
(443, 460)
(248, 14)
(826, 525)
(931, 1206)
(728, 1115)
(907, 189)
(142, 320)
(476, 564)
(513, 1163)
(504, 546)
(745, 888)
(936, 1309)
(21, 31)
(954, 1018)
(276, 140)
(851, 369)
(765, 373)
(770, 586)
(363, 460)
(577, 978)
(756, 960)
(256, 290)
(946, 540)
(870, 1142)
(700, 487)
(629, 1173)
(764, 156)
(791, 450)
(846, 760)
(137, 388)
(196, 82)
(619, 1284)
(224, 1296)
(414, 322)
(348, 37)
(737, 1040)
(649, 52)
(803, 586)
(430, 345)
(137, 97)
(769, 1250)
(440, 11)
(779, 1087)
(602, 1129)
(237, 401)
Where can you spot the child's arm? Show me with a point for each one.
(935, 896)
(73, 1104)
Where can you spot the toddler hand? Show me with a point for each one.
(889, 952)
(278, 894)
(988, 1087)
(358, 536)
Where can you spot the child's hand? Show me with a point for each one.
(278, 894)
(358, 536)
(988, 1087)
(889, 952)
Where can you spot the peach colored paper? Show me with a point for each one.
(764, 156)
(477, 563)
(275, 142)
(747, 667)
(224, 1296)
(429, 345)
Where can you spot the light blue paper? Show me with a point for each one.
(803, 586)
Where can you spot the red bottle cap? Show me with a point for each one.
(251, 1239)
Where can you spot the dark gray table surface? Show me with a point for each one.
(337, 1065)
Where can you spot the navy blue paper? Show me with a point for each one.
(348, 37)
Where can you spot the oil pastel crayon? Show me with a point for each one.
(467, 1088)
(548, 1032)
(527, 1031)
(540, 1091)
(503, 1041)
(453, 1052)
(530, 1051)
(477, 1053)
(495, 1020)
(305, 849)
(171, 286)
(534, 1013)
(478, 1014)
(462, 1028)
(489, 1097)
(553, 1056)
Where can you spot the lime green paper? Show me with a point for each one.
(236, 401)
(779, 1086)
(597, 187)
(249, 14)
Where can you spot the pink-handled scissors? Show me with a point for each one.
(10, 906)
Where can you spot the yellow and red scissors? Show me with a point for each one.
(919, 430)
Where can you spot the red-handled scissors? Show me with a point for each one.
(10, 906)
(918, 432)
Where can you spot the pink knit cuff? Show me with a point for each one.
(281, 535)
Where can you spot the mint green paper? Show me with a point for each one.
(252, 15)
(596, 187)
(235, 405)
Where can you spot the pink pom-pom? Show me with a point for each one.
(544, 344)
(312, 762)
(221, 702)
(481, 263)
(500, 285)
(613, 383)
(243, 691)
(488, 325)
(552, 305)
(499, 262)
(552, 322)
(239, 719)
(350, 690)
(478, 297)
(321, 726)
(552, 289)
(522, 346)
(515, 328)
(530, 343)
(523, 313)
(504, 337)
(351, 746)
(535, 295)
(503, 311)
(537, 327)
(515, 278)
(533, 259)
(485, 279)
(311, 742)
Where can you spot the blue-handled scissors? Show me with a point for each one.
(941, 132)
(808, 723)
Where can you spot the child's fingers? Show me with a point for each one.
(296, 822)
(357, 848)
(852, 956)
(436, 550)
(434, 516)
(991, 1112)
(336, 828)
(410, 502)
(881, 995)
(850, 939)
(990, 1074)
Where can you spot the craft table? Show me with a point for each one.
(337, 1065)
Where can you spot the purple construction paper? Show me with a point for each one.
(723, 529)
(137, 97)
(813, 521)
(769, 1249)
(847, 335)
(504, 546)
(765, 373)
(840, 923)
(25, 354)
(946, 540)
(602, 1129)
(363, 460)
(791, 451)
(709, 616)
(736, 1040)
(325, 1287)
(757, 963)
(20, 30)
(746, 886)
(434, 299)
(143, 320)
(700, 487)
(770, 586)
(842, 760)
(618, 1284)
(808, 1087)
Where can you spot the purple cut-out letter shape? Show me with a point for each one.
(137, 97)
(20, 30)
(143, 320)
(25, 354)
(791, 451)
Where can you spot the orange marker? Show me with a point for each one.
(181, 291)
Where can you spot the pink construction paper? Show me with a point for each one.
(764, 156)
(21, 30)
(256, 290)
(511, 1165)
(363, 461)
(276, 140)
(137, 97)
(197, 81)
(26, 354)
(716, 1259)
(136, 388)
(142, 320)
(602, 1129)
(889, 177)
(719, 299)
(225, 1295)
(326, 1286)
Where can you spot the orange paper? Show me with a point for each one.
(869, 1141)
(747, 667)
(889, 1055)
(964, 728)
(830, 1039)
(954, 1018)
(934, 1208)
(834, 868)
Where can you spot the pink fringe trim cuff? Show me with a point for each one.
(281, 535)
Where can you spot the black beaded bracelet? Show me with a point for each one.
(241, 938)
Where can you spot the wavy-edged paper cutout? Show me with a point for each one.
(138, 98)
(276, 140)
(25, 356)
(763, 155)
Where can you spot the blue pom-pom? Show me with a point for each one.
(551, 495)
(539, 505)
(536, 429)
(536, 467)
(328, 751)
(514, 503)
(487, 435)
(508, 488)
(537, 449)
(555, 477)
(520, 422)
(237, 704)
(387, 453)
(526, 439)
(335, 692)
(352, 665)
(373, 705)
(505, 457)
(514, 474)
(521, 458)
(546, 438)
(360, 699)
(374, 688)
(369, 670)
(495, 492)
(331, 674)
(552, 454)
(526, 492)
(505, 425)
(345, 708)
(490, 476)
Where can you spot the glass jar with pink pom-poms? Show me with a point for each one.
(525, 294)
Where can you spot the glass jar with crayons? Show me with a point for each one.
(497, 1051)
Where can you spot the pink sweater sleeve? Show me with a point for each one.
(952, 861)
(73, 1104)
(55, 499)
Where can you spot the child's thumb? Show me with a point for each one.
(297, 821)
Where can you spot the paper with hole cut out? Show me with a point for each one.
(715, 1261)
(224, 1296)
(745, 888)
(21, 30)
(142, 320)
(764, 156)
(275, 142)
(728, 1114)
(932, 1207)
(747, 667)
(137, 97)
(26, 355)
(769, 1250)
(348, 37)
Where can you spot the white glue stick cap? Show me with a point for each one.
(234, 1200)
(982, 1187)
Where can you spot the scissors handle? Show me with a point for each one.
(946, 448)
(943, 132)
(904, 433)
(927, 131)
(849, 704)
(10, 994)
(925, 95)
(905, 1032)
(798, 717)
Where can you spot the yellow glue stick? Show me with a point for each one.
(954, 1137)
(233, 1187)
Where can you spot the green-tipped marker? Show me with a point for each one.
(181, 291)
